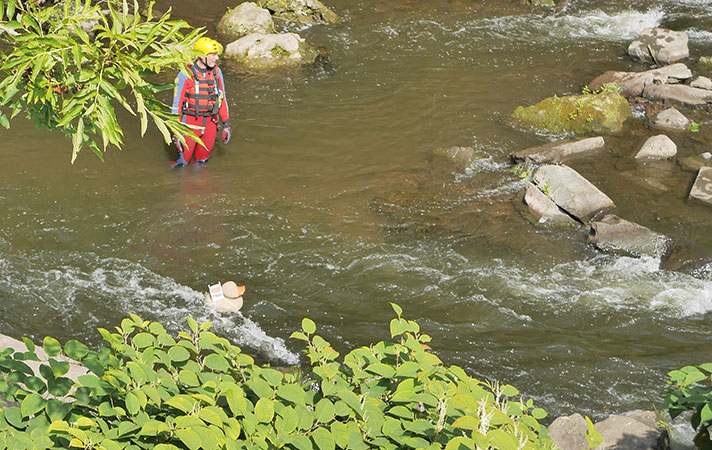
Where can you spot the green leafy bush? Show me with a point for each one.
(691, 390)
(65, 62)
(147, 389)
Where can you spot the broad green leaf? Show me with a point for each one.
(59, 368)
(143, 340)
(398, 326)
(51, 346)
(323, 439)
(264, 410)
(292, 393)
(210, 415)
(466, 423)
(193, 325)
(182, 402)
(324, 411)
(57, 410)
(308, 326)
(216, 363)
(75, 349)
(237, 402)
(539, 413)
(133, 405)
(381, 369)
(32, 404)
(191, 439)
(593, 437)
(462, 443)
(398, 310)
(178, 354)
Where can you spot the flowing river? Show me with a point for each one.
(328, 204)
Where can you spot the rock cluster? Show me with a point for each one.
(256, 43)
(637, 430)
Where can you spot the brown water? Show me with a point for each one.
(328, 204)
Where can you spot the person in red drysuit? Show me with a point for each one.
(200, 101)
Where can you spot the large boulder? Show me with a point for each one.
(569, 432)
(541, 208)
(576, 114)
(301, 11)
(671, 118)
(612, 233)
(555, 152)
(572, 192)
(657, 147)
(659, 46)
(631, 433)
(678, 93)
(702, 188)
(244, 19)
(263, 51)
(631, 84)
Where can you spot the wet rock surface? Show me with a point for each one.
(702, 83)
(576, 114)
(678, 93)
(671, 118)
(611, 233)
(702, 188)
(572, 192)
(541, 208)
(558, 151)
(659, 46)
(460, 156)
(657, 147)
(263, 51)
(244, 19)
(301, 11)
(631, 84)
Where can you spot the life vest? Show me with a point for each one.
(204, 100)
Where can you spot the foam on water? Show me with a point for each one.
(598, 24)
(100, 289)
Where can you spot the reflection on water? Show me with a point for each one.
(328, 203)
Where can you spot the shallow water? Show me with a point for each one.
(328, 204)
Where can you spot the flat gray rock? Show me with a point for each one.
(556, 151)
(702, 188)
(627, 433)
(542, 208)
(678, 93)
(659, 46)
(612, 233)
(702, 83)
(244, 19)
(569, 432)
(631, 84)
(657, 147)
(572, 192)
(671, 118)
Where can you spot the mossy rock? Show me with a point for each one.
(576, 114)
(705, 62)
(300, 11)
(266, 51)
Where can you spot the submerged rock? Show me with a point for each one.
(246, 18)
(262, 51)
(572, 192)
(678, 93)
(577, 114)
(657, 147)
(659, 46)
(301, 11)
(702, 188)
(615, 234)
(631, 84)
(694, 163)
(541, 208)
(556, 151)
(461, 156)
(673, 119)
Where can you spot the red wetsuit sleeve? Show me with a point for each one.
(224, 111)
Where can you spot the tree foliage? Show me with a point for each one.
(64, 64)
(691, 390)
(147, 389)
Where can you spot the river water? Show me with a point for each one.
(328, 204)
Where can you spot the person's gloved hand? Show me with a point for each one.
(177, 143)
(226, 132)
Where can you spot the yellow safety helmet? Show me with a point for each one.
(207, 46)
